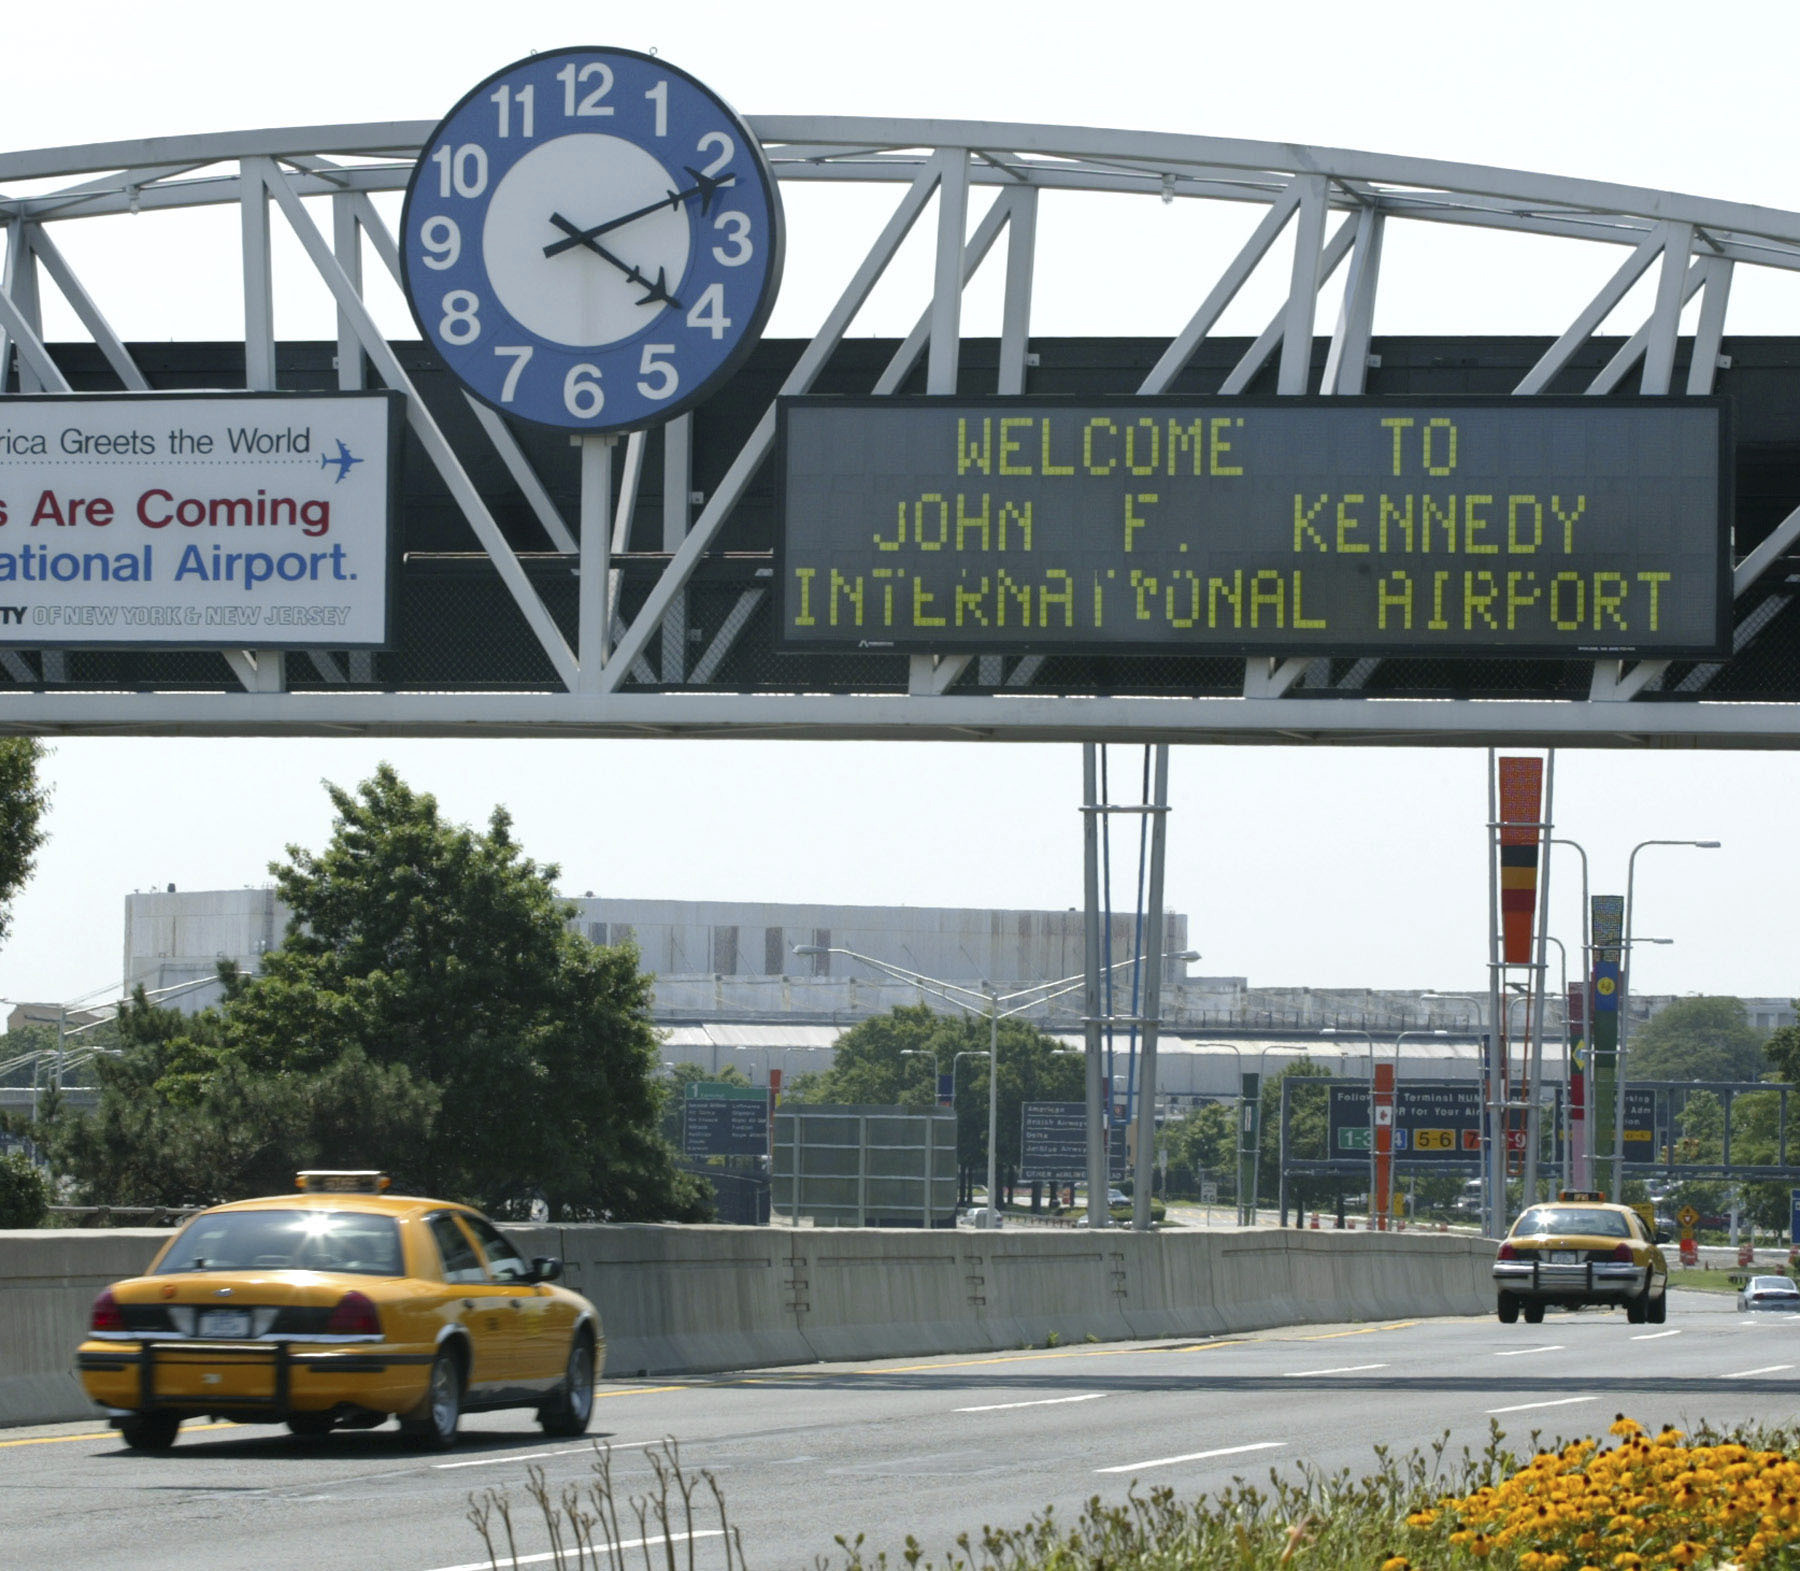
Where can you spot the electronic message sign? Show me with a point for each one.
(198, 520)
(1528, 526)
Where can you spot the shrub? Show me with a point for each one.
(24, 1192)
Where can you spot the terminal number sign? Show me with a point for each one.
(1546, 527)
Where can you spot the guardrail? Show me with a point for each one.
(692, 1299)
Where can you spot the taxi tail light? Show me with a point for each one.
(107, 1314)
(1507, 1252)
(355, 1315)
(1622, 1254)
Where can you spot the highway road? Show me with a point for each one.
(930, 1446)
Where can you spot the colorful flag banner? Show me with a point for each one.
(1521, 804)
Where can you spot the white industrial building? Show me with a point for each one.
(731, 991)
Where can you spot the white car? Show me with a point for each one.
(1768, 1292)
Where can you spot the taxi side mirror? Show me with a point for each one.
(546, 1268)
(1662, 1237)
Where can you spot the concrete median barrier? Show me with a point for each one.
(692, 1300)
(48, 1283)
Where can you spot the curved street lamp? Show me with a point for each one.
(971, 997)
(1617, 1187)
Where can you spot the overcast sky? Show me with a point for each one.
(1342, 868)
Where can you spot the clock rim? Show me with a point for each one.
(748, 337)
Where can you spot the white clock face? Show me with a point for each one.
(592, 240)
(580, 296)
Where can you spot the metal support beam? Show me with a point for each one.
(346, 246)
(1665, 319)
(425, 428)
(1593, 314)
(1347, 361)
(259, 275)
(70, 287)
(1303, 290)
(593, 599)
(1185, 344)
(749, 459)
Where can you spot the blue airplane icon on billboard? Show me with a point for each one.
(343, 460)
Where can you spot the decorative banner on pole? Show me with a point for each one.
(1521, 804)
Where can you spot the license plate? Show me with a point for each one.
(1564, 1257)
(224, 1322)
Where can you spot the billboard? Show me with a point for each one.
(197, 521)
(1548, 527)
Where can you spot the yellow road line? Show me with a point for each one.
(102, 1434)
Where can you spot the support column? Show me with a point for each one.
(1098, 1176)
(1152, 1018)
(596, 559)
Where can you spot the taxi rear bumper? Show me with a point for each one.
(263, 1381)
(1592, 1281)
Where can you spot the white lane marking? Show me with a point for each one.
(1342, 1369)
(1171, 1461)
(1767, 1369)
(630, 1543)
(1526, 1407)
(512, 1456)
(1514, 1352)
(1049, 1401)
(1654, 1336)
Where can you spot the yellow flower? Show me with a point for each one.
(1422, 1519)
(1396, 1563)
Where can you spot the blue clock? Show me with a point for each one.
(593, 240)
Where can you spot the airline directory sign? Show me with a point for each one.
(1494, 527)
(235, 520)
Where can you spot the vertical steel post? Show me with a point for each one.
(596, 559)
(1098, 1174)
(1153, 923)
(1494, 1200)
(1540, 975)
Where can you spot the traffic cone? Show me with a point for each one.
(1315, 1221)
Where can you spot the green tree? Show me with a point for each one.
(1697, 1039)
(429, 1011)
(24, 1192)
(1203, 1145)
(23, 800)
(1783, 1051)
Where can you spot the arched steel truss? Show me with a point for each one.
(636, 676)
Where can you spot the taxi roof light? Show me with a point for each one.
(1579, 1195)
(341, 1181)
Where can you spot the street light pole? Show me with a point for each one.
(1578, 1163)
(1625, 934)
(1032, 996)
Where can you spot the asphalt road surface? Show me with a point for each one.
(928, 1446)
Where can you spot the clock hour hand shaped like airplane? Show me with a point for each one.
(656, 291)
(702, 187)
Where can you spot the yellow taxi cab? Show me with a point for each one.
(340, 1306)
(1579, 1250)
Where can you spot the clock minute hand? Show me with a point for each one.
(655, 290)
(703, 188)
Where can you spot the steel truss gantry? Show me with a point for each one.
(637, 676)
